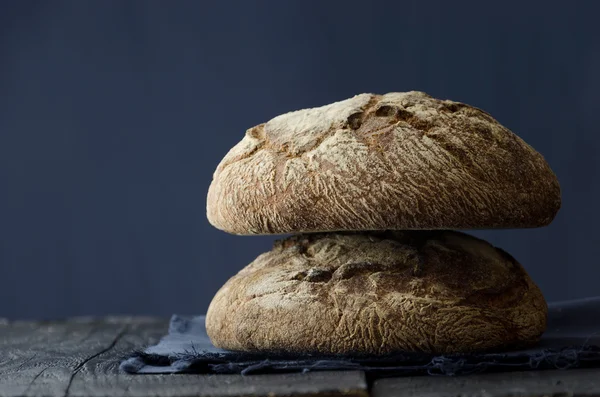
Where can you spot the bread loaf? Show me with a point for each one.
(376, 293)
(379, 162)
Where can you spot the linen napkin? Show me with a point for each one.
(572, 340)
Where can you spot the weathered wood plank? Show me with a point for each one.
(43, 358)
(580, 382)
(349, 384)
(81, 359)
(100, 377)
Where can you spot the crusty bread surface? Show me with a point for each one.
(377, 293)
(379, 162)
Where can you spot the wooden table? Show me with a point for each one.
(80, 357)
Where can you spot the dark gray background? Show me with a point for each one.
(114, 114)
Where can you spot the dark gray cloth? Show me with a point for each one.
(571, 340)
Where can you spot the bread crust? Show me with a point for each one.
(378, 162)
(376, 293)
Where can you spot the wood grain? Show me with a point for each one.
(44, 358)
(348, 384)
(581, 382)
(81, 358)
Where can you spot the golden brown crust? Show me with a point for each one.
(375, 293)
(379, 162)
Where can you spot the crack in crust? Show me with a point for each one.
(353, 122)
(375, 162)
(357, 293)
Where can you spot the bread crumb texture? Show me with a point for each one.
(376, 293)
(379, 162)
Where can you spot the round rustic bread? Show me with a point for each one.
(375, 293)
(379, 162)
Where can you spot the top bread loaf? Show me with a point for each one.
(381, 162)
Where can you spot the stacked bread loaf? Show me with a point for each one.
(369, 188)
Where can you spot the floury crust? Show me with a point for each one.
(378, 162)
(376, 293)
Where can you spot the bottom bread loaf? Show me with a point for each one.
(378, 293)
